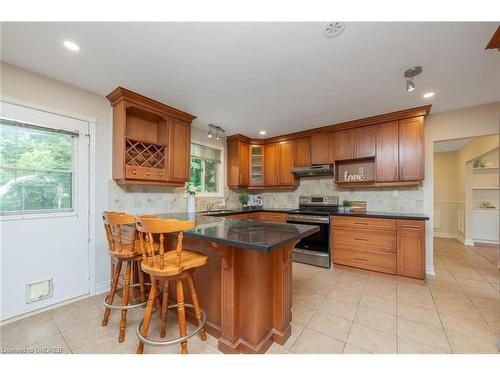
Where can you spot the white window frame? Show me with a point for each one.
(220, 171)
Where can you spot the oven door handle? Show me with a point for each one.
(310, 252)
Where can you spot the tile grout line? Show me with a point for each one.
(354, 317)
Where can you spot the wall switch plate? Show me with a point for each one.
(395, 193)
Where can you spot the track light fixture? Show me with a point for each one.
(409, 75)
(216, 131)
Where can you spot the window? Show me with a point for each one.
(205, 172)
(36, 169)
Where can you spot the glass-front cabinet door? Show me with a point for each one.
(256, 166)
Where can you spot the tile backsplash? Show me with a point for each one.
(153, 199)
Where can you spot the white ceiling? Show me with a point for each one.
(452, 145)
(280, 77)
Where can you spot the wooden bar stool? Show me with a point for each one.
(124, 246)
(163, 267)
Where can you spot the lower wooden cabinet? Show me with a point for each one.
(384, 245)
(260, 215)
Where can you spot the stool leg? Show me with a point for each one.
(141, 280)
(164, 309)
(196, 304)
(181, 312)
(112, 292)
(126, 292)
(147, 314)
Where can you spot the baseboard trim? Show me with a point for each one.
(102, 287)
(429, 270)
(446, 235)
(468, 242)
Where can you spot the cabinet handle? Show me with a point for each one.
(410, 226)
(360, 223)
(160, 174)
(148, 173)
(361, 239)
(358, 258)
(134, 172)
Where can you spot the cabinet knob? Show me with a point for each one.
(160, 174)
(148, 173)
(134, 172)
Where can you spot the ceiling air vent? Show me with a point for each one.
(333, 29)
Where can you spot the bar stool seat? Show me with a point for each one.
(190, 259)
(164, 267)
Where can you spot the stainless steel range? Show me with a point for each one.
(314, 249)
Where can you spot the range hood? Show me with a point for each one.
(313, 170)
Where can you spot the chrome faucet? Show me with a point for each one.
(210, 206)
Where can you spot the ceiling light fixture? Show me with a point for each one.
(262, 132)
(71, 45)
(409, 75)
(216, 131)
(333, 29)
(428, 95)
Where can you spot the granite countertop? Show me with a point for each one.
(246, 234)
(235, 211)
(385, 215)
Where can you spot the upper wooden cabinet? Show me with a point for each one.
(354, 143)
(344, 144)
(285, 164)
(238, 163)
(270, 164)
(256, 165)
(411, 149)
(151, 141)
(302, 152)
(321, 148)
(387, 163)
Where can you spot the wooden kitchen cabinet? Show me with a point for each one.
(411, 149)
(364, 142)
(285, 164)
(238, 164)
(321, 148)
(411, 248)
(343, 144)
(179, 151)
(256, 165)
(271, 164)
(151, 141)
(387, 149)
(302, 152)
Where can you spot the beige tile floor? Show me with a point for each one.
(341, 310)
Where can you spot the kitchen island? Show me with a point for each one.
(246, 287)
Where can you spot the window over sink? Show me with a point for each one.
(206, 173)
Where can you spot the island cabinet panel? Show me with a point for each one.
(271, 164)
(272, 216)
(321, 148)
(411, 149)
(386, 245)
(365, 142)
(411, 249)
(285, 164)
(387, 160)
(238, 164)
(302, 152)
(151, 141)
(344, 144)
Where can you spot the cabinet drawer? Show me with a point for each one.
(272, 216)
(364, 258)
(381, 239)
(364, 222)
(417, 225)
(143, 173)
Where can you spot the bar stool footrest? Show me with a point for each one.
(128, 307)
(177, 340)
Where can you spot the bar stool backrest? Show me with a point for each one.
(120, 232)
(149, 226)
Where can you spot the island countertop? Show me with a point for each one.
(256, 235)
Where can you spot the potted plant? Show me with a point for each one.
(243, 198)
(346, 204)
(191, 203)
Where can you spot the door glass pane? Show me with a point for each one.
(36, 170)
(211, 176)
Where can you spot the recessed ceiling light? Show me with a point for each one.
(428, 95)
(262, 132)
(71, 45)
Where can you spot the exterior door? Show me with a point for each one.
(44, 206)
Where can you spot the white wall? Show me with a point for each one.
(460, 123)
